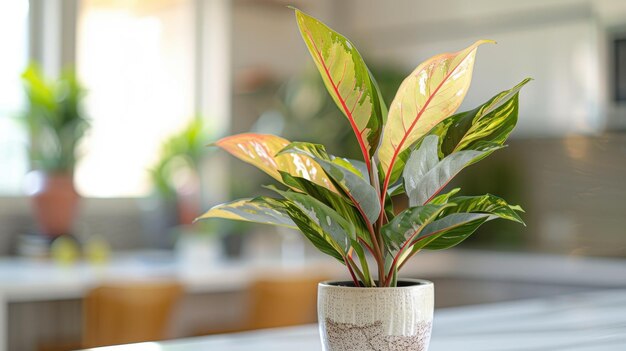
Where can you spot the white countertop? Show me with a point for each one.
(24, 280)
(29, 280)
(582, 322)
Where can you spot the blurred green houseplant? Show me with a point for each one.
(175, 181)
(343, 206)
(181, 152)
(55, 123)
(175, 175)
(54, 118)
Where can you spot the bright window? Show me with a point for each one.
(136, 59)
(14, 43)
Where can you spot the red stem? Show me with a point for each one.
(395, 259)
(354, 279)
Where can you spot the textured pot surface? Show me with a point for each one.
(376, 319)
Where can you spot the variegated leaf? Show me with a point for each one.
(424, 179)
(339, 229)
(347, 176)
(456, 223)
(343, 206)
(260, 150)
(491, 204)
(314, 232)
(260, 210)
(405, 227)
(444, 198)
(449, 230)
(347, 79)
(422, 160)
(430, 94)
(491, 123)
(444, 232)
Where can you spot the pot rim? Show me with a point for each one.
(416, 283)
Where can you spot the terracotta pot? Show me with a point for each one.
(55, 203)
(376, 319)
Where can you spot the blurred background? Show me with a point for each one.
(106, 107)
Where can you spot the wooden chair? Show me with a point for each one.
(128, 312)
(275, 302)
(282, 302)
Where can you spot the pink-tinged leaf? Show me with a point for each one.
(347, 79)
(260, 151)
(429, 95)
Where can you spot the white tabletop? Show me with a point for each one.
(28, 280)
(582, 322)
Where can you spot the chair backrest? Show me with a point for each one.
(128, 312)
(283, 302)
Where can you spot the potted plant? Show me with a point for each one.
(174, 200)
(344, 206)
(55, 123)
(175, 174)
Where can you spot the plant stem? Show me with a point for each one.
(377, 239)
(394, 277)
(360, 275)
(367, 246)
(354, 279)
(365, 267)
(377, 250)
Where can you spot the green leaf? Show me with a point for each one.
(263, 210)
(422, 183)
(422, 160)
(314, 232)
(408, 224)
(354, 166)
(54, 118)
(357, 188)
(345, 175)
(426, 97)
(308, 187)
(444, 198)
(398, 169)
(358, 249)
(339, 230)
(347, 79)
(490, 123)
(343, 206)
(482, 129)
(487, 203)
(396, 189)
(457, 223)
(449, 231)
(403, 157)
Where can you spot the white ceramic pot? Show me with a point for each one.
(376, 319)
